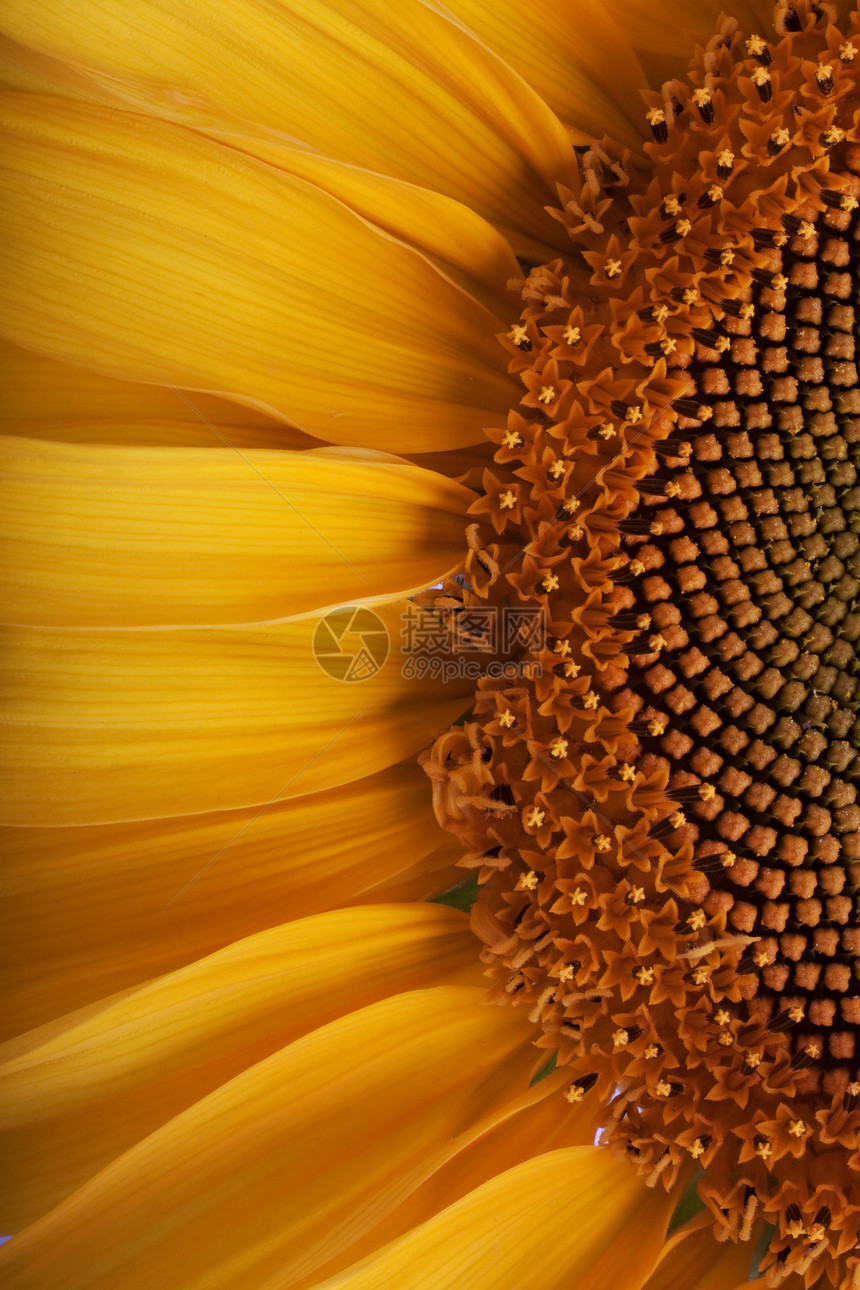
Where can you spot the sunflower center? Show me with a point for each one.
(750, 588)
(662, 807)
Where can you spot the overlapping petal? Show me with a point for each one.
(694, 1260)
(257, 1180)
(572, 1217)
(393, 89)
(89, 911)
(79, 1092)
(149, 253)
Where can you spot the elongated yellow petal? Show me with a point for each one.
(579, 61)
(293, 1159)
(74, 1099)
(76, 924)
(694, 1259)
(46, 399)
(105, 726)
(572, 1217)
(545, 1126)
(149, 253)
(119, 537)
(392, 88)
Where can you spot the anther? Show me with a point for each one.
(703, 101)
(824, 77)
(777, 141)
(757, 48)
(711, 196)
(725, 162)
(657, 120)
(761, 80)
(520, 336)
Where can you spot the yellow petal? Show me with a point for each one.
(152, 254)
(293, 1159)
(694, 1259)
(545, 1126)
(121, 537)
(579, 61)
(429, 877)
(105, 726)
(391, 88)
(572, 1217)
(666, 47)
(45, 399)
(73, 1099)
(76, 925)
(457, 240)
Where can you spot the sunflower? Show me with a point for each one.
(432, 446)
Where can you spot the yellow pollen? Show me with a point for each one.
(726, 1039)
(761, 959)
(812, 1049)
(764, 1149)
(663, 1089)
(781, 137)
(620, 1038)
(574, 532)
(722, 1018)
(707, 792)
(656, 116)
(535, 817)
(575, 1093)
(753, 1060)
(507, 500)
(645, 976)
(797, 1128)
(780, 282)
(547, 394)
(847, 52)
(726, 158)
(607, 430)
(643, 622)
(634, 414)
(559, 747)
(701, 976)
(658, 642)
(556, 469)
(848, 204)
(698, 919)
(590, 700)
(637, 567)
(673, 489)
(528, 881)
(512, 439)
(668, 345)
(723, 343)
(678, 819)
(834, 135)
(761, 76)
(691, 296)
(519, 333)
(715, 193)
(795, 1228)
(651, 1051)
(656, 727)
(727, 256)
(572, 506)
(572, 335)
(507, 719)
(550, 582)
(796, 1014)
(566, 973)
(683, 227)
(637, 895)
(701, 97)
(806, 230)
(661, 313)
(853, 1090)
(572, 670)
(656, 528)
(697, 1148)
(628, 773)
(612, 268)
(728, 859)
(756, 45)
(579, 897)
(562, 647)
(671, 205)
